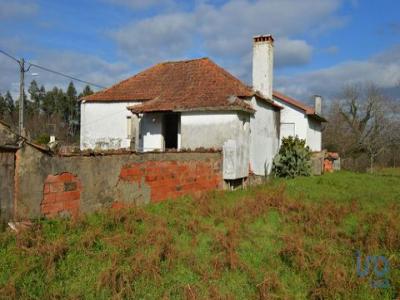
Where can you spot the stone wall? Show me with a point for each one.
(6, 185)
(58, 185)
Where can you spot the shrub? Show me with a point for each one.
(42, 139)
(293, 158)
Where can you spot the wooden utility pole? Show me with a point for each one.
(21, 129)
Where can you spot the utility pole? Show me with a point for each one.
(21, 129)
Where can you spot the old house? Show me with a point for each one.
(197, 104)
(300, 119)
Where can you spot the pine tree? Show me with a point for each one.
(3, 106)
(49, 104)
(86, 92)
(36, 96)
(72, 109)
(72, 100)
(9, 103)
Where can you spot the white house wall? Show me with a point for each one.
(151, 138)
(264, 142)
(291, 115)
(314, 135)
(213, 129)
(304, 127)
(104, 125)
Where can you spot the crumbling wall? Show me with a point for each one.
(7, 137)
(52, 185)
(61, 195)
(6, 185)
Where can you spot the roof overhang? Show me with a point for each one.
(317, 117)
(111, 100)
(260, 96)
(234, 103)
(135, 110)
(9, 148)
(309, 111)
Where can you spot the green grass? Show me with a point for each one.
(293, 239)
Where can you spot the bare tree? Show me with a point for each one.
(366, 122)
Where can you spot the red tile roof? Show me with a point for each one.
(307, 109)
(183, 85)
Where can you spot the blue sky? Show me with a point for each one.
(320, 45)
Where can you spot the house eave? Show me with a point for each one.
(195, 109)
(317, 117)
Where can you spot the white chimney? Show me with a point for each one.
(263, 64)
(318, 104)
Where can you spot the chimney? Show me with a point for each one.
(263, 64)
(318, 104)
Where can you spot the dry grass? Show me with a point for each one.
(258, 244)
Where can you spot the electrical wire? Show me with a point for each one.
(51, 71)
(65, 75)
(10, 56)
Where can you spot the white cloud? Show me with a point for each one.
(152, 40)
(224, 32)
(143, 4)
(17, 9)
(292, 52)
(382, 69)
(89, 68)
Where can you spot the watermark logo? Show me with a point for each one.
(380, 268)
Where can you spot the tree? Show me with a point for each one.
(9, 103)
(53, 102)
(36, 95)
(71, 112)
(47, 112)
(86, 92)
(361, 123)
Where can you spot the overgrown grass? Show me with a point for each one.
(289, 239)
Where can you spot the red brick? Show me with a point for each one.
(67, 196)
(150, 178)
(49, 198)
(46, 188)
(71, 203)
(55, 199)
(56, 187)
(123, 173)
(134, 171)
(66, 177)
(52, 178)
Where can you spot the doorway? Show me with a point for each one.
(171, 124)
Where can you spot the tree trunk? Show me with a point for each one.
(371, 164)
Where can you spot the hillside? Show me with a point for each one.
(293, 239)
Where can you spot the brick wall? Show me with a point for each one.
(61, 195)
(50, 185)
(171, 179)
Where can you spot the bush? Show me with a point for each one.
(42, 139)
(293, 158)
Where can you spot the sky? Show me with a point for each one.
(320, 45)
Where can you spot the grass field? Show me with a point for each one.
(288, 239)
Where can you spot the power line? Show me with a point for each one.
(65, 75)
(21, 62)
(10, 56)
(51, 71)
